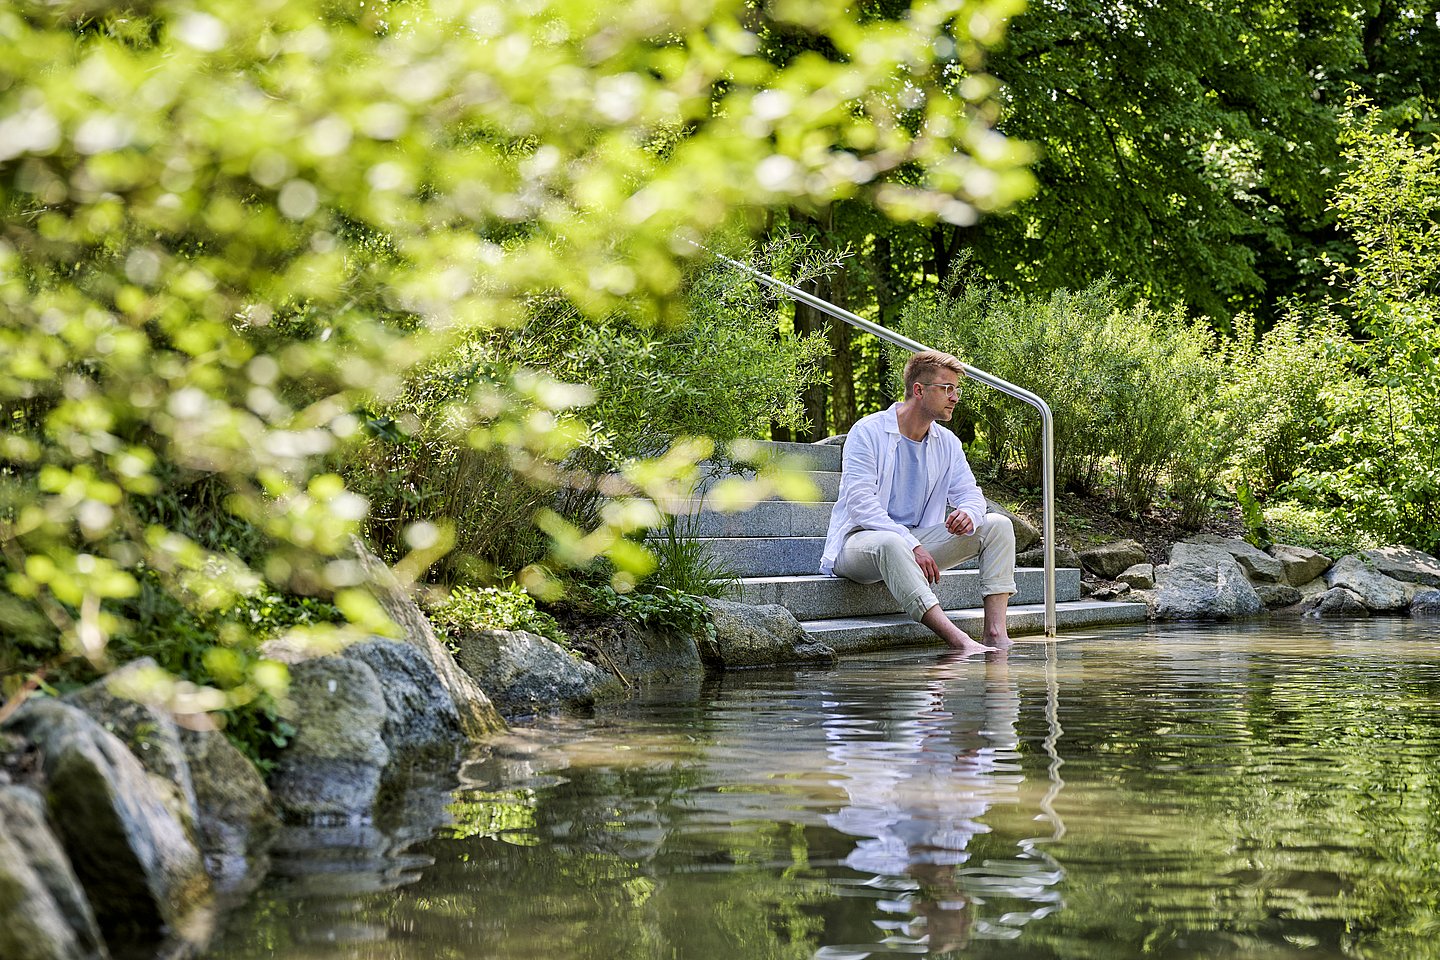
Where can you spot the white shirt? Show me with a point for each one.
(868, 473)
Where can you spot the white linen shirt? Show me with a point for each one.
(868, 472)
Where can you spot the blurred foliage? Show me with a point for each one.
(229, 229)
(1127, 384)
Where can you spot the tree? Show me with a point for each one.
(230, 226)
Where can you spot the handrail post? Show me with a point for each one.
(1047, 419)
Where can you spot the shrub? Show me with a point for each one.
(658, 608)
(1125, 383)
(494, 608)
(1326, 530)
(1281, 385)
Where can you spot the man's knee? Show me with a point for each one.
(892, 543)
(996, 530)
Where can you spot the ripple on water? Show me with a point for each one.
(1257, 791)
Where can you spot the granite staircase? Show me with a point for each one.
(774, 547)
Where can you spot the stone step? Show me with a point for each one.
(827, 483)
(770, 518)
(819, 456)
(850, 635)
(816, 597)
(774, 556)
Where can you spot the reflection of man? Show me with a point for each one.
(915, 799)
(901, 470)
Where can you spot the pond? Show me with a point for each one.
(1255, 791)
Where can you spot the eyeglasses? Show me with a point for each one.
(950, 388)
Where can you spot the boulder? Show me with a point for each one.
(747, 635)
(1275, 595)
(330, 771)
(1335, 603)
(1141, 576)
(1108, 592)
(44, 914)
(1204, 582)
(523, 673)
(1109, 560)
(144, 877)
(478, 716)
(236, 816)
(1378, 592)
(1258, 565)
(119, 704)
(1300, 564)
(1026, 536)
(1035, 557)
(1425, 604)
(420, 715)
(1406, 564)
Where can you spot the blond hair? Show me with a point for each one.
(923, 366)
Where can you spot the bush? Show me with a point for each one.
(658, 608)
(494, 608)
(1125, 383)
(1282, 385)
(1328, 531)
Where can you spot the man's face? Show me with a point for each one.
(938, 397)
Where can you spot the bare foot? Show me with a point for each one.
(964, 644)
(999, 639)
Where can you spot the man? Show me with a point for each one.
(900, 472)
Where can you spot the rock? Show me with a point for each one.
(1404, 563)
(1300, 564)
(1335, 603)
(1109, 560)
(1141, 576)
(419, 712)
(747, 635)
(44, 914)
(1108, 592)
(1204, 582)
(478, 716)
(331, 769)
(523, 673)
(645, 655)
(236, 816)
(1378, 592)
(143, 875)
(1313, 588)
(1026, 536)
(1425, 604)
(1275, 595)
(118, 703)
(1258, 565)
(1035, 557)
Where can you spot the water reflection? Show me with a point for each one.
(920, 770)
(1258, 792)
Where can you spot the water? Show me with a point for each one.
(1262, 792)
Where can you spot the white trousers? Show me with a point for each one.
(869, 556)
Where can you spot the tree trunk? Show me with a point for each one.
(885, 301)
(808, 320)
(842, 362)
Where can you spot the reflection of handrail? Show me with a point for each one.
(1052, 737)
(1047, 419)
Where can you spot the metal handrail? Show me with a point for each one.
(1047, 446)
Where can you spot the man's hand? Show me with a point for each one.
(928, 566)
(959, 523)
